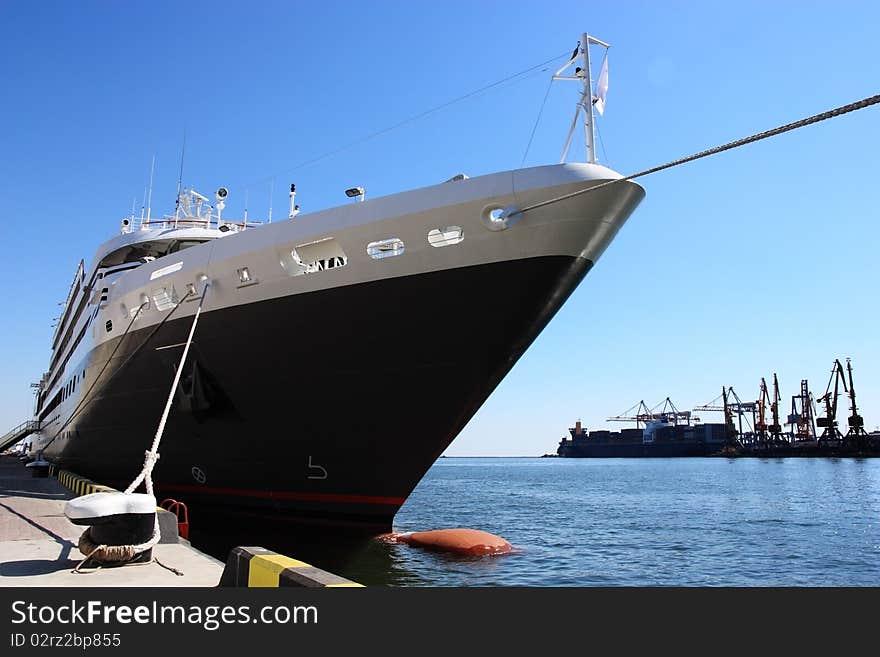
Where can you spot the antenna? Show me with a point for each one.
(245, 207)
(582, 74)
(152, 167)
(294, 208)
(271, 191)
(180, 177)
(143, 205)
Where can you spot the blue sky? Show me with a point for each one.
(754, 261)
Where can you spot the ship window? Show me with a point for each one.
(315, 256)
(109, 325)
(184, 244)
(445, 236)
(244, 275)
(389, 248)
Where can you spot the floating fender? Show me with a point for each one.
(471, 542)
(114, 519)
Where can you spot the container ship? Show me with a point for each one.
(750, 428)
(659, 437)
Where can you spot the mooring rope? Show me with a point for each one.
(121, 554)
(152, 454)
(118, 555)
(816, 118)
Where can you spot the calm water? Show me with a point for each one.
(635, 522)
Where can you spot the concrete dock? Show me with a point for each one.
(38, 542)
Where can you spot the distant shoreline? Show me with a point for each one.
(524, 456)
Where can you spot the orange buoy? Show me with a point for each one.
(459, 541)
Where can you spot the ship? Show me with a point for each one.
(665, 431)
(338, 352)
(658, 438)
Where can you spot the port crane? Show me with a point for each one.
(856, 432)
(802, 420)
(830, 432)
(637, 413)
(667, 413)
(727, 409)
(762, 402)
(742, 409)
(776, 428)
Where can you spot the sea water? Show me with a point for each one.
(647, 522)
(619, 522)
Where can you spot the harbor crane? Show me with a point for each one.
(856, 432)
(776, 428)
(802, 418)
(830, 432)
(742, 408)
(726, 408)
(667, 413)
(762, 403)
(638, 413)
(768, 433)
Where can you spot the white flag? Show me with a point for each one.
(601, 87)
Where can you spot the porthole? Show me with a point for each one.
(389, 248)
(445, 236)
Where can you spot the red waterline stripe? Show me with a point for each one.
(287, 495)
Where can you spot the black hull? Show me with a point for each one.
(325, 407)
(639, 450)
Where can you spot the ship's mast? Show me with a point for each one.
(180, 178)
(582, 74)
(150, 195)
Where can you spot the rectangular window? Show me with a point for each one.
(320, 255)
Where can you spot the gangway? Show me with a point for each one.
(23, 430)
